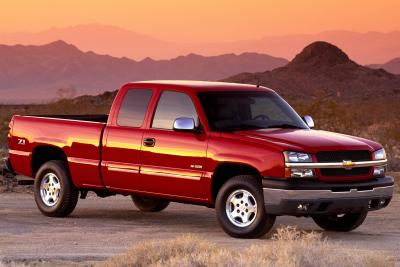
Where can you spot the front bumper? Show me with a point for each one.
(303, 198)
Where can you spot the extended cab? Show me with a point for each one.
(239, 148)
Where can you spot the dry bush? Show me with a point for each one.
(288, 247)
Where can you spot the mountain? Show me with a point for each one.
(392, 66)
(101, 39)
(366, 48)
(34, 73)
(323, 71)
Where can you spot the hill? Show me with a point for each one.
(392, 66)
(322, 81)
(323, 71)
(365, 48)
(33, 73)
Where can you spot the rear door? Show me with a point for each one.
(123, 141)
(173, 162)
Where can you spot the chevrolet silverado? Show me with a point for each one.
(240, 149)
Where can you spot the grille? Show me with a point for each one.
(343, 172)
(339, 156)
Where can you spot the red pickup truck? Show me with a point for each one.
(239, 148)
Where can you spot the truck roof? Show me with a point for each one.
(199, 86)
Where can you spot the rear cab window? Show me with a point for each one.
(134, 107)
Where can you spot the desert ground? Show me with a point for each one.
(100, 228)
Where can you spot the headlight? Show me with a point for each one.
(297, 157)
(379, 154)
(379, 171)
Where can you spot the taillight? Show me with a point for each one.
(10, 127)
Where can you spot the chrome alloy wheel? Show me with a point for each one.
(50, 189)
(241, 208)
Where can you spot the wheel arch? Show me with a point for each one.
(226, 170)
(44, 153)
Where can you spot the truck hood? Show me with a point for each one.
(307, 140)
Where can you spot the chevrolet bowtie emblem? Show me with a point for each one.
(348, 164)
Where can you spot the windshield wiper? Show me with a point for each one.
(241, 127)
(285, 126)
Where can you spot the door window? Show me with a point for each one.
(173, 105)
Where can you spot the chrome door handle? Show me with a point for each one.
(150, 142)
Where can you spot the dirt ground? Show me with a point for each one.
(99, 228)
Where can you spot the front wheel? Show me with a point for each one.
(240, 208)
(55, 194)
(149, 204)
(340, 222)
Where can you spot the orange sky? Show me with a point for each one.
(204, 20)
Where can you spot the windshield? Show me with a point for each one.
(246, 110)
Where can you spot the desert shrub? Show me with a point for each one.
(288, 247)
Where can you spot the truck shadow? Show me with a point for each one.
(193, 221)
(173, 217)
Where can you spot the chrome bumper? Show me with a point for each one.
(303, 198)
(274, 196)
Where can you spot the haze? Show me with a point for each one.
(206, 20)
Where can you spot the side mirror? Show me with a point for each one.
(184, 124)
(309, 121)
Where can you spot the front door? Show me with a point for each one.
(172, 161)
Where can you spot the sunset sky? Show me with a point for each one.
(205, 20)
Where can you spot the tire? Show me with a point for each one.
(243, 193)
(55, 194)
(345, 223)
(149, 204)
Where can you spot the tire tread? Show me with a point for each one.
(70, 193)
(263, 224)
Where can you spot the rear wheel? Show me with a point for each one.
(55, 194)
(149, 204)
(240, 208)
(340, 222)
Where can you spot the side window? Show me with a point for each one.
(134, 107)
(171, 106)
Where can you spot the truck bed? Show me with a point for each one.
(78, 137)
(86, 117)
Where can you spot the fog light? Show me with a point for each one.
(379, 171)
(303, 207)
(302, 173)
(382, 202)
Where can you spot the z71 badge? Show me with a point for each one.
(21, 141)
